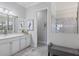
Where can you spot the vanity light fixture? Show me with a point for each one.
(6, 11)
(11, 13)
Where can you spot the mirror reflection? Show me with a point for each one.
(6, 24)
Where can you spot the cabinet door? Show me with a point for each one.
(4, 49)
(28, 41)
(23, 43)
(15, 46)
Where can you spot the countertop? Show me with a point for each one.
(5, 36)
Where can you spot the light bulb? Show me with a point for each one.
(11, 13)
(6, 11)
(1, 10)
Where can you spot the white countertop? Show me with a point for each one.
(5, 36)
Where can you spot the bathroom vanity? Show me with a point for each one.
(10, 44)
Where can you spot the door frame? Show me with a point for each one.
(46, 20)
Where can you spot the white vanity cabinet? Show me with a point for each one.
(4, 49)
(23, 42)
(10, 45)
(27, 40)
(15, 46)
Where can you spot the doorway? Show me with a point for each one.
(42, 27)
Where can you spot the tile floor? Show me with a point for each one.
(39, 51)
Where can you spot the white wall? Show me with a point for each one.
(31, 14)
(17, 9)
(51, 22)
(66, 39)
(66, 9)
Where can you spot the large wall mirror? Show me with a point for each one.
(7, 23)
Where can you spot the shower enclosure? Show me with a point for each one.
(42, 27)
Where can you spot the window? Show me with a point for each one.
(66, 25)
(58, 27)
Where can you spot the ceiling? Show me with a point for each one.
(27, 4)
